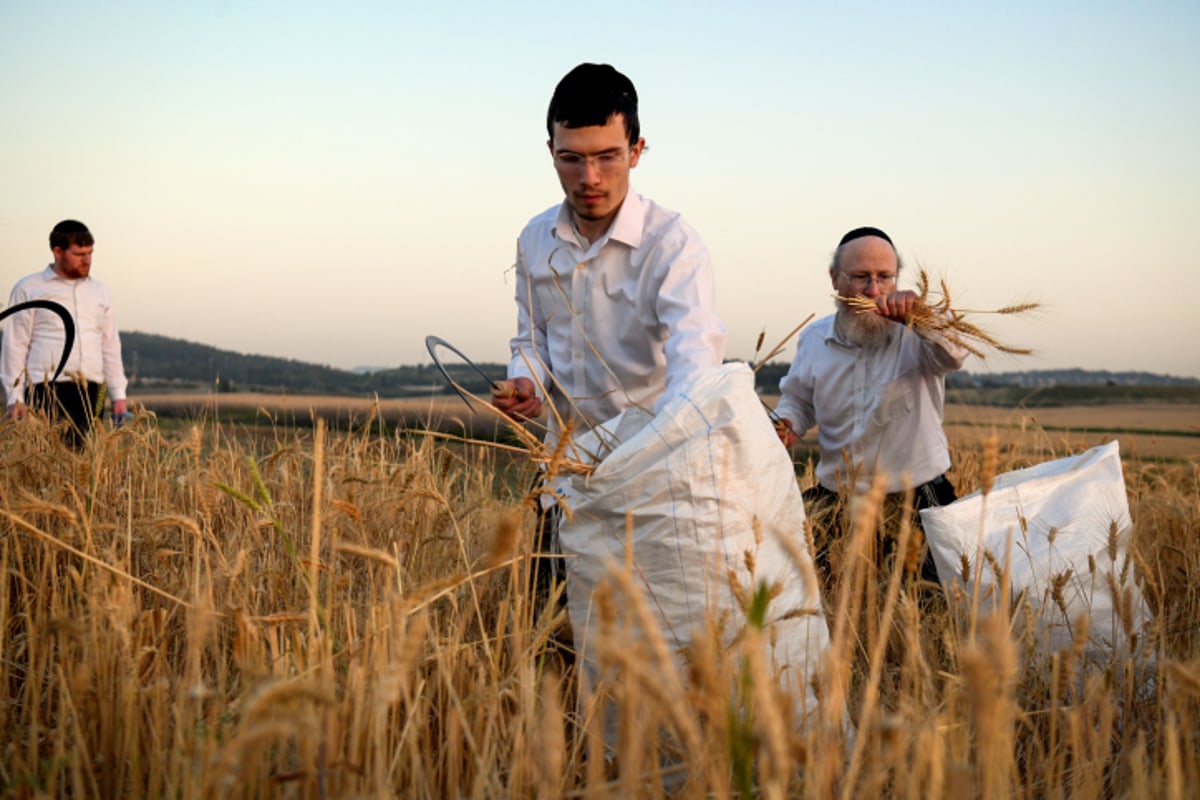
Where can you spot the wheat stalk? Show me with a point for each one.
(938, 317)
(778, 348)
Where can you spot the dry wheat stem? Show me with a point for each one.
(876, 663)
(534, 448)
(777, 349)
(35, 531)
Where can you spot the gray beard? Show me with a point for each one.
(864, 330)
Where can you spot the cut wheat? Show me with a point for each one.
(939, 318)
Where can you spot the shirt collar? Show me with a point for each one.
(627, 227)
(50, 275)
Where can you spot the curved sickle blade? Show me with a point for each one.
(63, 314)
(434, 342)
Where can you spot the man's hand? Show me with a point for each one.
(518, 399)
(896, 306)
(16, 410)
(784, 430)
(119, 408)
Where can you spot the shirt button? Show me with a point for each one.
(580, 266)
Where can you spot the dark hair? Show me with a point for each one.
(70, 233)
(589, 95)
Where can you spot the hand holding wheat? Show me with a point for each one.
(897, 306)
(938, 317)
(517, 398)
(503, 389)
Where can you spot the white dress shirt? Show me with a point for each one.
(34, 339)
(625, 320)
(880, 406)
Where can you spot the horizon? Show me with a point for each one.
(337, 190)
(781, 360)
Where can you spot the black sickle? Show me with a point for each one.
(63, 314)
(434, 342)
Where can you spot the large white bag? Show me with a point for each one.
(1066, 519)
(697, 479)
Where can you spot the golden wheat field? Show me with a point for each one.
(1148, 431)
(1152, 430)
(265, 609)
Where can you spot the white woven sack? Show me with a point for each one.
(697, 479)
(1052, 519)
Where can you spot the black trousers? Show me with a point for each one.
(77, 402)
(827, 511)
(547, 574)
(548, 570)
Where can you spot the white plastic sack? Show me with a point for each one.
(697, 478)
(1058, 517)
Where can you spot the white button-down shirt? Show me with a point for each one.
(34, 339)
(882, 406)
(626, 320)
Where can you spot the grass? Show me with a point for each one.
(290, 611)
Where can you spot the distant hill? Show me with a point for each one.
(1067, 377)
(1049, 387)
(1069, 387)
(161, 363)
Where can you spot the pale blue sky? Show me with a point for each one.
(333, 182)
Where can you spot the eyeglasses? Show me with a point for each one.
(608, 161)
(861, 281)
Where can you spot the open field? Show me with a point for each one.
(191, 612)
(302, 408)
(1182, 418)
(437, 412)
(1147, 430)
(1144, 430)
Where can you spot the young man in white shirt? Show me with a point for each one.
(33, 340)
(615, 294)
(873, 387)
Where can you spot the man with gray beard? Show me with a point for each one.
(874, 388)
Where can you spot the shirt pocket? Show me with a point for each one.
(93, 324)
(545, 294)
(895, 403)
(620, 290)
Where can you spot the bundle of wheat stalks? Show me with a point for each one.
(559, 456)
(941, 319)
